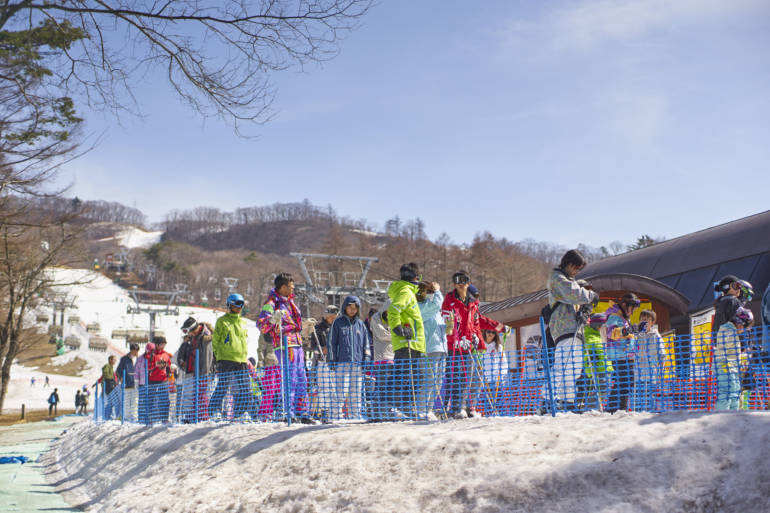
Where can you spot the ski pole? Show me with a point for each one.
(483, 382)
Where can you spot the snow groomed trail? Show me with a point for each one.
(24, 487)
(577, 463)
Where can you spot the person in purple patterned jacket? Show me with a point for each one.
(280, 317)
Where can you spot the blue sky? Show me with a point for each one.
(564, 121)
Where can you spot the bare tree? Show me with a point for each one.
(216, 54)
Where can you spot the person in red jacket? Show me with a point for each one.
(461, 311)
(159, 369)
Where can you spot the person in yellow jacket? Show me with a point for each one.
(408, 339)
(230, 345)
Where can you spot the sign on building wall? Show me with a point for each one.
(700, 342)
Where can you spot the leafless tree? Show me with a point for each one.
(218, 55)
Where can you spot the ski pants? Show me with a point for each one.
(458, 375)
(567, 368)
(436, 368)
(158, 402)
(410, 373)
(234, 378)
(348, 380)
(622, 385)
(271, 387)
(296, 378)
(728, 384)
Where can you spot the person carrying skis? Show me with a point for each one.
(407, 335)
(461, 312)
(565, 298)
(281, 322)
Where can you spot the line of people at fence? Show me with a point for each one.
(605, 359)
(419, 355)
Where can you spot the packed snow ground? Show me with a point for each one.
(135, 238)
(99, 300)
(571, 463)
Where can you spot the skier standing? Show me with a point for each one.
(230, 344)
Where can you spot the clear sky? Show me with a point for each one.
(567, 121)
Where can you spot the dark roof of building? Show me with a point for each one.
(691, 263)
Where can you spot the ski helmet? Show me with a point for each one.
(744, 316)
(235, 300)
(747, 291)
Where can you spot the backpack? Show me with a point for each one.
(51, 399)
(548, 311)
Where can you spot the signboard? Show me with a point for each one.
(700, 342)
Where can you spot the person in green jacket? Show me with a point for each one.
(408, 339)
(230, 345)
(592, 385)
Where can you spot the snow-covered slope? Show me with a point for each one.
(99, 300)
(135, 238)
(571, 463)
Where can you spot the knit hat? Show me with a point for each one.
(189, 324)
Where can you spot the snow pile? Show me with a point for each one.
(593, 462)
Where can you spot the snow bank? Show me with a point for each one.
(136, 238)
(593, 462)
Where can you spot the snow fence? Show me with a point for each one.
(642, 373)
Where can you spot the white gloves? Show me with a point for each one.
(276, 317)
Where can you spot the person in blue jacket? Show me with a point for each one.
(347, 345)
(430, 299)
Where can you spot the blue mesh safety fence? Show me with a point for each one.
(710, 371)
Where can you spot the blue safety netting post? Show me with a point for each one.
(104, 399)
(285, 381)
(197, 384)
(96, 403)
(547, 367)
(123, 398)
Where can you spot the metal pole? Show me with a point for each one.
(547, 367)
(287, 381)
(123, 398)
(96, 402)
(152, 325)
(197, 384)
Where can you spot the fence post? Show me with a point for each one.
(197, 384)
(104, 398)
(285, 379)
(123, 398)
(96, 402)
(547, 367)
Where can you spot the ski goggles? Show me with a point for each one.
(237, 304)
(188, 330)
(460, 279)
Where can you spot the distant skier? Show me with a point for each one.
(47, 382)
(53, 402)
(77, 401)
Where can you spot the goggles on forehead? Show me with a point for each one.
(460, 279)
(633, 302)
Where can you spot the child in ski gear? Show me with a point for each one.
(727, 359)
(281, 322)
(347, 344)
(407, 334)
(728, 302)
(648, 362)
(430, 300)
(382, 406)
(230, 344)
(159, 369)
(621, 344)
(566, 298)
(593, 383)
(461, 311)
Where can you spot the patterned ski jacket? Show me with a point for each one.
(291, 322)
(650, 355)
(727, 348)
(620, 346)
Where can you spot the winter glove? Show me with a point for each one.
(276, 317)
(404, 330)
(463, 344)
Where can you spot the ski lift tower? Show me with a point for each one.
(60, 301)
(153, 309)
(230, 283)
(322, 287)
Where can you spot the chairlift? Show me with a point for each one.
(72, 342)
(42, 318)
(73, 319)
(97, 344)
(94, 328)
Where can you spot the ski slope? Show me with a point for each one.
(99, 300)
(571, 463)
